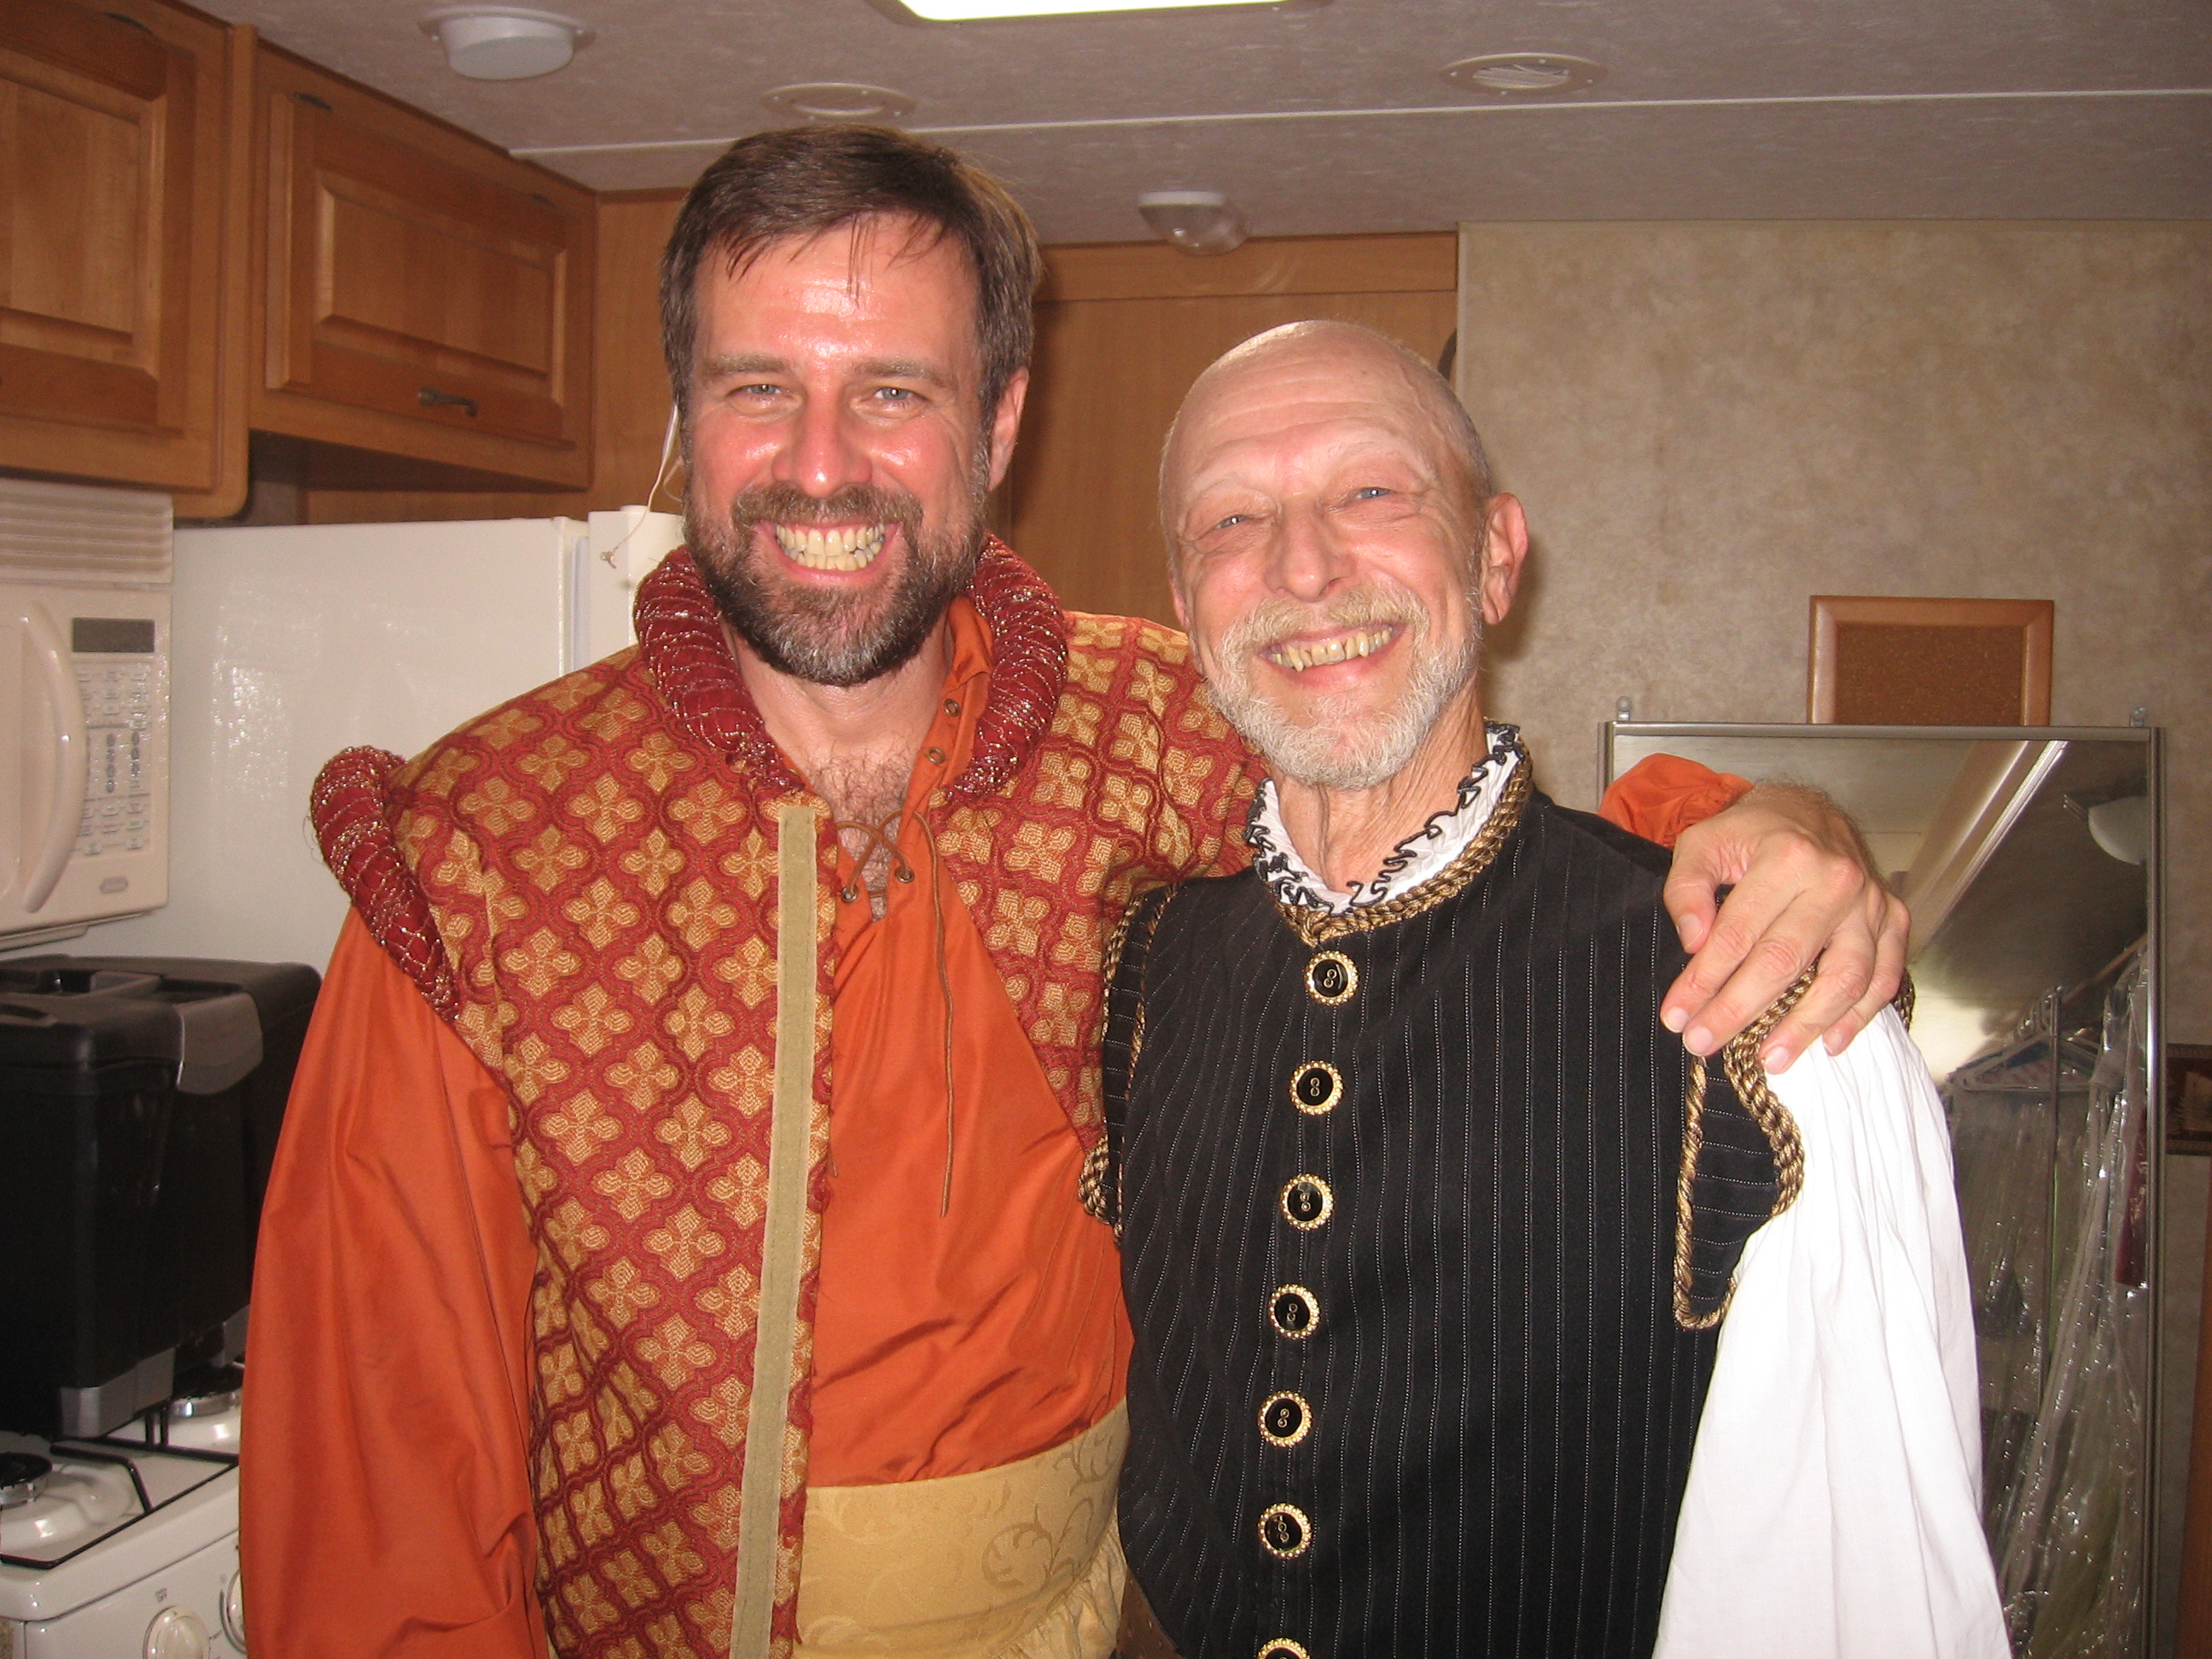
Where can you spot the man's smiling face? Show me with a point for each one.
(1326, 545)
(839, 460)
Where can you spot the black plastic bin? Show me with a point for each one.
(140, 1102)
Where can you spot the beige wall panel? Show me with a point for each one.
(1108, 377)
(1710, 423)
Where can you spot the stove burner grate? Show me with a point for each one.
(23, 1476)
(123, 1455)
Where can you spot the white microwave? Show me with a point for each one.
(84, 706)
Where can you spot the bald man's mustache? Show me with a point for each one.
(1277, 619)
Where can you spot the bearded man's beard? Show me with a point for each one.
(830, 638)
(1334, 741)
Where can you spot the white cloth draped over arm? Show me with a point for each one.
(1834, 1508)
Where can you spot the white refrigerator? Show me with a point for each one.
(291, 643)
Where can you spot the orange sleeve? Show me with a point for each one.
(1662, 795)
(385, 1498)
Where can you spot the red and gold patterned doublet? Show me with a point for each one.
(584, 884)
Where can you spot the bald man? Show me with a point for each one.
(1428, 1228)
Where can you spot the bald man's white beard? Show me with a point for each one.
(1335, 742)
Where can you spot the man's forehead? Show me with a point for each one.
(1309, 407)
(864, 264)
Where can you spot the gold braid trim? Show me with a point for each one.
(1748, 1077)
(1317, 928)
(1091, 1185)
(1098, 1161)
(1906, 999)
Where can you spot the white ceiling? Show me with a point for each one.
(1335, 119)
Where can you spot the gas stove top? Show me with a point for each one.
(83, 1520)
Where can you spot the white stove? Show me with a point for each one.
(126, 1545)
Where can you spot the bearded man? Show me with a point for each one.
(1427, 1226)
(684, 1165)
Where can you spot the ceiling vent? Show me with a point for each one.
(1524, 74)
(841, 100)
(505, 42)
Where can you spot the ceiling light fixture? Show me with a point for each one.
(1524, 74)
(1195, 221)
(977, 11)
(840, 100)
(505, 42)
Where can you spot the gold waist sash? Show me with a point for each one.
(1018, 1562)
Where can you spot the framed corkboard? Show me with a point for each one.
(1881, 661)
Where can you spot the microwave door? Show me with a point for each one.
(52, 759)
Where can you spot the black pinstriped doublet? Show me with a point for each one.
(1477, 1442)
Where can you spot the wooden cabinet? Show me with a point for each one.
(1122, 331)
(421, 294)
(116, 128)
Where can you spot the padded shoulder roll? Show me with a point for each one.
(351, 809)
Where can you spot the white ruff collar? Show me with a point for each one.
(1419, 856)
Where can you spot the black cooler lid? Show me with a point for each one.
(206, 1018)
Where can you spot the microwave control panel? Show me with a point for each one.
(120, 692)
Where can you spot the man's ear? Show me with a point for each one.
(1006, 422)
(1505, 551)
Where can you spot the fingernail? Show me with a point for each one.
(1777, 1057)
(1699, 1040)
(1675, 1016)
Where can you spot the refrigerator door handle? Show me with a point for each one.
(72, 754)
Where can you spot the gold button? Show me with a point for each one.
(1294, 1312)
(1282, 1647)
(1331, 978)
(934, 755)
(1285, 1532)
(952, 706)
(1307, 1201)
(1315, 1087)
(1285, 1418)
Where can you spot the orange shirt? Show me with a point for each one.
(958, 1328)
(1662, 795)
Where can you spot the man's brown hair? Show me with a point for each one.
(801, 182)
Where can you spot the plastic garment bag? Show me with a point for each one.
(2065, 1486)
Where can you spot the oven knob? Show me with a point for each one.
(234, 1611)
(177, 1633)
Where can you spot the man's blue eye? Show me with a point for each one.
(1369, 492)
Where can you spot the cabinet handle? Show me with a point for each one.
(431, 397)
(309, 98)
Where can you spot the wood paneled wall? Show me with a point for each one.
(629, 392)
(1122, 331)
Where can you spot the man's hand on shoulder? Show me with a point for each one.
(1804, 889)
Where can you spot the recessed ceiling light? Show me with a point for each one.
(976, 11)
(504, 43)
(1195, 221)
(841, 100)
(1521, 73)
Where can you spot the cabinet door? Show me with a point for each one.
(426, 295)
(113, 224)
